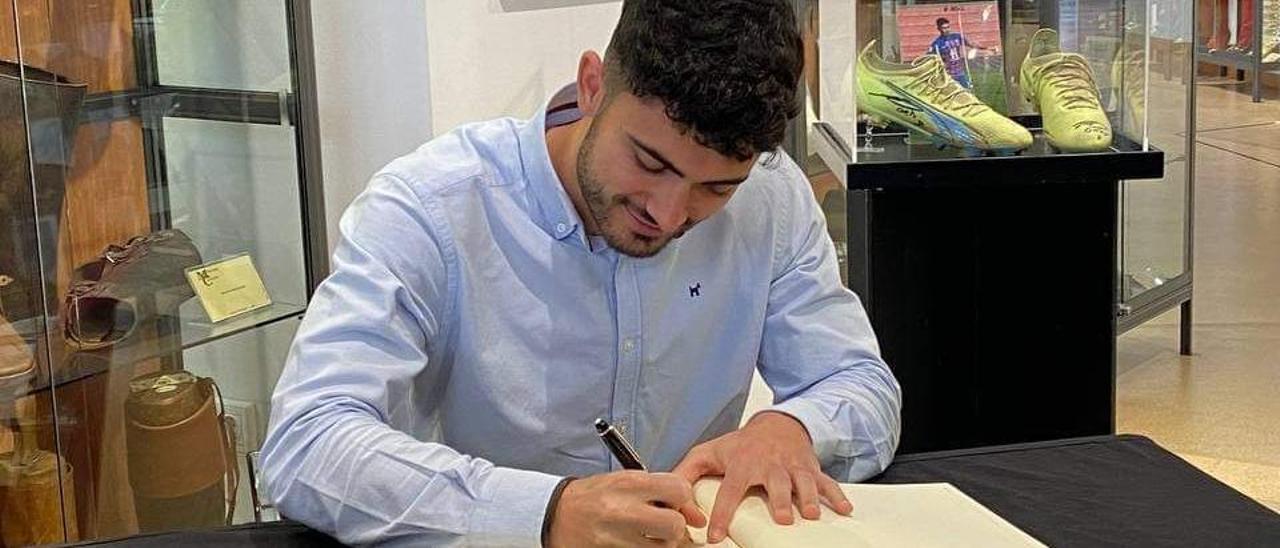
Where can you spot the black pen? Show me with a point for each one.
(618, 445)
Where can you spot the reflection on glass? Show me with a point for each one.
(229, 44)
(837, 45)
(233, 188)
(246, 395)
(38, 111)
(1154, 235)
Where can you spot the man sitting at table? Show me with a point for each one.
(633, 251)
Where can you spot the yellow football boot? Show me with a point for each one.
(921, 96)
(1061, 86)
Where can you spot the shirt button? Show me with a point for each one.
(561, 228)
(628, 345)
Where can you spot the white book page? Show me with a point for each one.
(922, 515)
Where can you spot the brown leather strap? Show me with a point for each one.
(228, 431)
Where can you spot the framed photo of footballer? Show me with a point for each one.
(967, 37)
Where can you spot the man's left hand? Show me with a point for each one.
(774, 451)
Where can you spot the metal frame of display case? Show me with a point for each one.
(1243, 61)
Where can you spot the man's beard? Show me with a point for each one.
(600, 207)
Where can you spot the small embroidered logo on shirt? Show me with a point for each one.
(695, 290)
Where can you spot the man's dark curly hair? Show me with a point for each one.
(727, 70)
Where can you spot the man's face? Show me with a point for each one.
(644, 181)
(944, 29)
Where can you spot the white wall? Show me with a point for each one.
(393, 73)
(436, 64)
(493, 58)
(373, 85)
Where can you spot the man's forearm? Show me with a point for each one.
(853, 418)
(338, 469)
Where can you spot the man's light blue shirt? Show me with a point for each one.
(448, 371)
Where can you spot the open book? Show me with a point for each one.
(917, 515)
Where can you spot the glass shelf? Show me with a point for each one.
(898, 161)
(190, 330)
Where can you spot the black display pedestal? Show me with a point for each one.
(992, 283)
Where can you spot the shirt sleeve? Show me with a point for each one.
(337, 456)
(820, 356)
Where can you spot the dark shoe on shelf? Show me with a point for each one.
(128, 285)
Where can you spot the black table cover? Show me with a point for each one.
(1104, 491)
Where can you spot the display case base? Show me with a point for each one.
(992, 286)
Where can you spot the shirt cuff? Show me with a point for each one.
(821, 431)
(514, 508)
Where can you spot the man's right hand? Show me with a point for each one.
(624, 508)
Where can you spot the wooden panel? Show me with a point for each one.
(91, 42)
(35, 34)
(106, 199)
(8, 36)
(77, 403)
(106, 202)
(36, 407)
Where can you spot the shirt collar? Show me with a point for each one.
(554, 213)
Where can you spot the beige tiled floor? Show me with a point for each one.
(1220, 408)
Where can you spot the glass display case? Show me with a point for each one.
(1156, 215)
(1143, 76)
(986, 162)
(911, 81)
(1140, 58)
(158, 162)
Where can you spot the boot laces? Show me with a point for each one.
(944, 90)
(1071, 81)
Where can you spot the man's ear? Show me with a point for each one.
(590, 83)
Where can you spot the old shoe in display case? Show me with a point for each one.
(127, 285)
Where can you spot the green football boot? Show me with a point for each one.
(921, 96)
(1061, 86)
